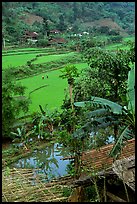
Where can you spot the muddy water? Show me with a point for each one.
(47, 162)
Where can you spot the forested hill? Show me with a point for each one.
(78, 16)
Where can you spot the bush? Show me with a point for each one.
(115, 39)
(12, 105)
(42, 43)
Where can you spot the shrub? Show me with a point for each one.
(12, 105)
(42, 43)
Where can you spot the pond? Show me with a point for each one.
(47, 162)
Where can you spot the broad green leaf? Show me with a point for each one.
(114, 107)
(98, 112)
(131, 90)
(116, 150)
(82, 103)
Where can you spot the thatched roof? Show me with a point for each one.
(125, 169)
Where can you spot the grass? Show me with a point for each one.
(16, 60)
(51, 95)
(21, 59)
(53, 89)
(26, 49)
(117, 46)
(121, 45)
(44, 59)
(131, 38)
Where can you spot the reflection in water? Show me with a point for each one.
(46, 162)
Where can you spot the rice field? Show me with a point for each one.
(49, 58)
(48, 92)
(52, 93)
(20, 58)
(16, 60)
(121, 45)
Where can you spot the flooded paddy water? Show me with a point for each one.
(48, 162)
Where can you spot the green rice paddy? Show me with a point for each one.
(49, 91)
(21, 59)
(120, 45)
(49, 58)
(50, 96)
(16, 60)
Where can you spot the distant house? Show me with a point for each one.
(85, 33)
(31, 36)
(57, 41)
(76, 35)
(55, 32)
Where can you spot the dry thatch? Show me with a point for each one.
(23, 185)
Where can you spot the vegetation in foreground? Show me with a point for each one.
(103, 89)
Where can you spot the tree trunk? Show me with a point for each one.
(71, 98)
(4, 45)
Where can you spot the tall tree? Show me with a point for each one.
(75, 10)
(69, 73)
(61, 24)
(110, 68)
(46, 29)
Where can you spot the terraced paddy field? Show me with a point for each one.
(48, 92)
(121, 45)
(15, 58)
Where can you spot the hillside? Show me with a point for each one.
(29, 18)
(79, 16)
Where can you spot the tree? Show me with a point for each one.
(112, 114)
(69, 73)
(13, 102)
(87, 43)
(110, 68)
(61, 24)
(75, 11)
(46, 29)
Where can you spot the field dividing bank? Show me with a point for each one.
(19, 60)
(117, 46)
(27, 49)
(49, 58)
(52, 93)
(16, 60)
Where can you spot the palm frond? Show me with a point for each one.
(107, 124)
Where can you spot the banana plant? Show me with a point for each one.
(111, 113)
(129, 127)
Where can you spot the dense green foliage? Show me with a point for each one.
(112, 114)
(106, 75)
(94, 65)
(65, 16)
(13, 102)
